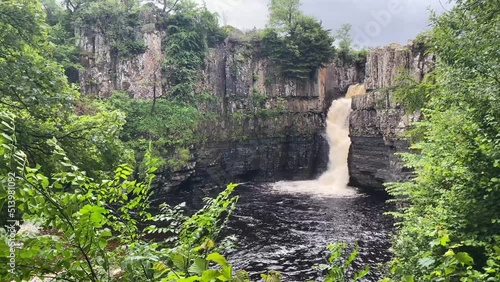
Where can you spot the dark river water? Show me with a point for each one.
(288, 231)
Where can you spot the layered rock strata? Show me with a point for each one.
(377, 122)
(266, 127)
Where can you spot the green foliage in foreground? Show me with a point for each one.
(34, 86)
(449, 228)
(89, 230)
(337, 268)
(413, 94)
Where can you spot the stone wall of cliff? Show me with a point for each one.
(104, 71)
(266, 127)
(377, 122)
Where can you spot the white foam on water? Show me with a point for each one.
(334, 181)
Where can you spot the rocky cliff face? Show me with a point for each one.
(269, 128)
(377, 121)
(266, 127)
(106, 71)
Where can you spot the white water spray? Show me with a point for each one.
(334, 181)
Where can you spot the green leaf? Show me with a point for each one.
(44, 181)
(209, 275)
(408, 278)
(179, 260)
(189, 279)
(426, 262)
(444, 240)
(362, 273)
(242, 276)
(218, 258)
(106, 233)
(199, 265)
(227, 272)
(449, 253)
(464, 258)
(352, 256)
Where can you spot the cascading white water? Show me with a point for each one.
(337, 129)
(334, 181)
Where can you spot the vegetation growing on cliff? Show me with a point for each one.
(297, 43)
(450, 227)
(34, 87)
(73, 177)
(190, 32)
(346, 52)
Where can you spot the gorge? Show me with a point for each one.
(268, 127)
(145, 141)
(341, 126)
(285, 226)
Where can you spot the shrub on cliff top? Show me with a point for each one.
(301, 50)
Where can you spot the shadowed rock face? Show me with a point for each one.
(267, 127)
(283, 138)
(377, 121)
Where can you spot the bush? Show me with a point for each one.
(298, 53)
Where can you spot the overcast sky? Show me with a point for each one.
(375, 22)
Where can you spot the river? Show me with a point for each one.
(286, 226)
(288, 231)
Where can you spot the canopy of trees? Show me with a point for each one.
(450, 228)
(297, 43)
(71, 158)
(34, 88)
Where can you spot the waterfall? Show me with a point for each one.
(355, 89)
(334, 181)
(337, 130)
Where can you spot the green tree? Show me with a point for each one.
(343, 35)
(449, 229)
(301, 51)
(284, 14)
(167, 6)
(34, 86)
(61, 33)
(347, 52)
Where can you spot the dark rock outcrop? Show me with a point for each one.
(340, 76)
(266, 127)
(377, 122)
(376, 128)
